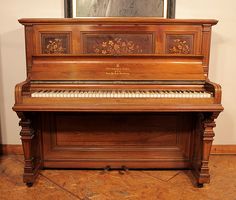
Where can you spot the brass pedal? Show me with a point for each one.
(106, 169)
(123, 170)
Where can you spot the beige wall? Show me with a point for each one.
(12, 56)
(222, 65)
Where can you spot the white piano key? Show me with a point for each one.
(194, 94)
(108, 94)
(96, 94)
(156, 94)
(72, 94)
(79, 94)
(89, 94)
(201, 95)
(171, 95)
(51, 94)
(176, 95)
(111, 95)
(121, 94)
(59, 94)
(44, 94)
(65, 94)
(41, 94)
(36, 94)
(190, 94)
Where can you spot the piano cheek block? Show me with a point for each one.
(115, 100)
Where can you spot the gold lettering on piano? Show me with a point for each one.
(118, 70)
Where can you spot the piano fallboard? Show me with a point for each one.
(120, 68)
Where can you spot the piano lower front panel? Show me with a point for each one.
(133, 140)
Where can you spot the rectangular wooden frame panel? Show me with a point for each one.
(135, 138)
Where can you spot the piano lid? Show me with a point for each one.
(120, 68)
(115, 20)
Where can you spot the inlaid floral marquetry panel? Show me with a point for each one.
(55, 43)
(118, 44)
(179, 44)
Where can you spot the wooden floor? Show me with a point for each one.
(115, 185)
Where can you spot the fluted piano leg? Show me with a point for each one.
(30, 147)
(205, 137)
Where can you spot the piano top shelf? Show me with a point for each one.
(115, 20)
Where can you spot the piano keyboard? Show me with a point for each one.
(122, 94)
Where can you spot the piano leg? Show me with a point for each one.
(31, 146)
(204, 134)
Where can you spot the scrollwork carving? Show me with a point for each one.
(208, 123)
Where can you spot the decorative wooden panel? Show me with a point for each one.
(55, 43)
(86, 130)
(119, 136)
(179, 44)
(117, 43)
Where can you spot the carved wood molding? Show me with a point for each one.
(27, 134)
(218, 149)
(208, 124)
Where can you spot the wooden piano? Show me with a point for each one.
(117, 93)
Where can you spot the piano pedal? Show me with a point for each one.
(106, 169)
(200, 185)
(123, 170)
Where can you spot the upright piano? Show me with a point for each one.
(117, 93)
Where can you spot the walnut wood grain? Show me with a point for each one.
(121, 68)
(31, 146)
(199, 30)
(119, 20)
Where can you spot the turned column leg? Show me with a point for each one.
(28, 138)
(201, 169)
